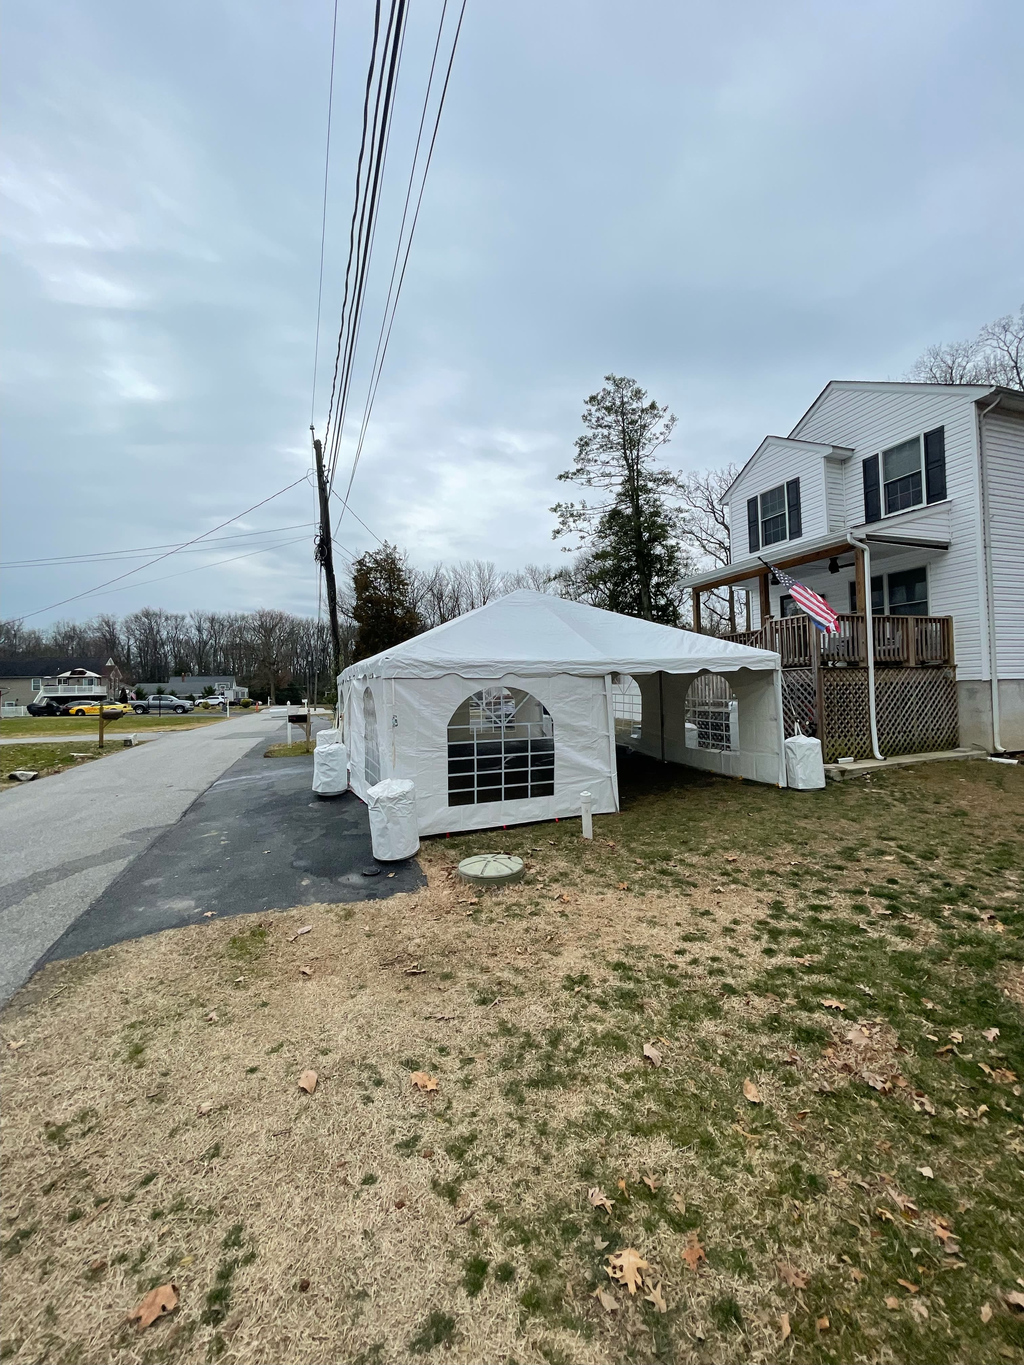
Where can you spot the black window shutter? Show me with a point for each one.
(935, 464)
(872, 491)
(753, 528)
(793, 508)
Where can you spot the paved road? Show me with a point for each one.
(64, 839)
(257, 840)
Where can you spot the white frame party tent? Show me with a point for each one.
(528, 678)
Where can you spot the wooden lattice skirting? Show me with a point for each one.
(916, 711)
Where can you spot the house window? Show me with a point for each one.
(712, 714)
(902, 476)
(371, 743)
(774, 516)
(501, 747)
(36, 684)
(908, 593)
(877, 596)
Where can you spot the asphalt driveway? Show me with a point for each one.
(258, 839)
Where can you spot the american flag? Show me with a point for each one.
(816, 607)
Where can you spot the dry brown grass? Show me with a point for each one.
(142, 1134)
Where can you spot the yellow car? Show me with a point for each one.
(111, 709)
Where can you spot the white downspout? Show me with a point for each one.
(869, 626)
(986, 540)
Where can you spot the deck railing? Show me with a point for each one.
(900, 641)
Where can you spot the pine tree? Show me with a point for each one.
(634, 561)
(383, 609)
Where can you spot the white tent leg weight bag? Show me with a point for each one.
(804, 767)
(394, 832)
(327, 737)
(330, 769)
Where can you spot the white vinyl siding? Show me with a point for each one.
(835, 495)
(776, 462)
(872, 418)
(1004, 460)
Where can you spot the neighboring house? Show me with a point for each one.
(928, 481)
(25, 680)
(195, 684)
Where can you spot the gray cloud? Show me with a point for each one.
(733, 205)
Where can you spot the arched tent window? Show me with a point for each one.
(501, 747)
(712, 714)
(628, 707)
(371, 742)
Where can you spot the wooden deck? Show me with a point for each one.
(900, 641)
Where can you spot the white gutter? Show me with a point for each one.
(993, 654)
(865, 549)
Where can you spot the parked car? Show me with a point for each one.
(161, 705)
(49, 707)
(111, 709)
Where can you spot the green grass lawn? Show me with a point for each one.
(45, 759)
(30, 726)
(820, 1158)
(290, 750)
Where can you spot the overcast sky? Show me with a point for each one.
(732, 204)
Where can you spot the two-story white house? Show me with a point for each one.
(903, 505)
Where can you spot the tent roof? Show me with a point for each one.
(533, 634)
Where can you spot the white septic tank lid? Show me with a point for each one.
(491, 869)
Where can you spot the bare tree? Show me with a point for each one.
(995, 356)
(705, 521)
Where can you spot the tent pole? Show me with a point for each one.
(661, 710)
(614, 773)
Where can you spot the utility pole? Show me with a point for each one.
(324, 552)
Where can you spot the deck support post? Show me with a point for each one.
(695, 594)
(732, 611)
(766, 597)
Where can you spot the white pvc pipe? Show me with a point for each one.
(870, 628)
(587, 814)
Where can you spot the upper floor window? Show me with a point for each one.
(774, 516)
(905, 475)
(902, 476)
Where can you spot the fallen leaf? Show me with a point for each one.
(399, 1203)
(927, 1172)
(157, 1303)
(305, 971)
(693, 1252)
(652, 1183)
(625, 1267)
(751, 1092)
(204, 1109)
(796, 1279)
(307, 1082)
(986, 1312)
(423, 1081)
(784, 1327)
(208, 914)
(606, 1300)
(821, 1324)
(621, 1185)
(96, 1266)
(833, 1004)
(13, 1047)
(1015, 1299)
(856, 1274)
(655, 1297)
(908, 1286)
(990, 1033)
(652, 1054)
(211, 1018)
(679, 1202)
(929, 1004)
(892, 1302)
(599, 1199)
(599, 1244)
(623, 886)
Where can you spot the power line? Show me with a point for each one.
(383, 104)
(199, 568)
(323, 221)
(361, 522)
(128, 573)
(110, 556)
(382, 349)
